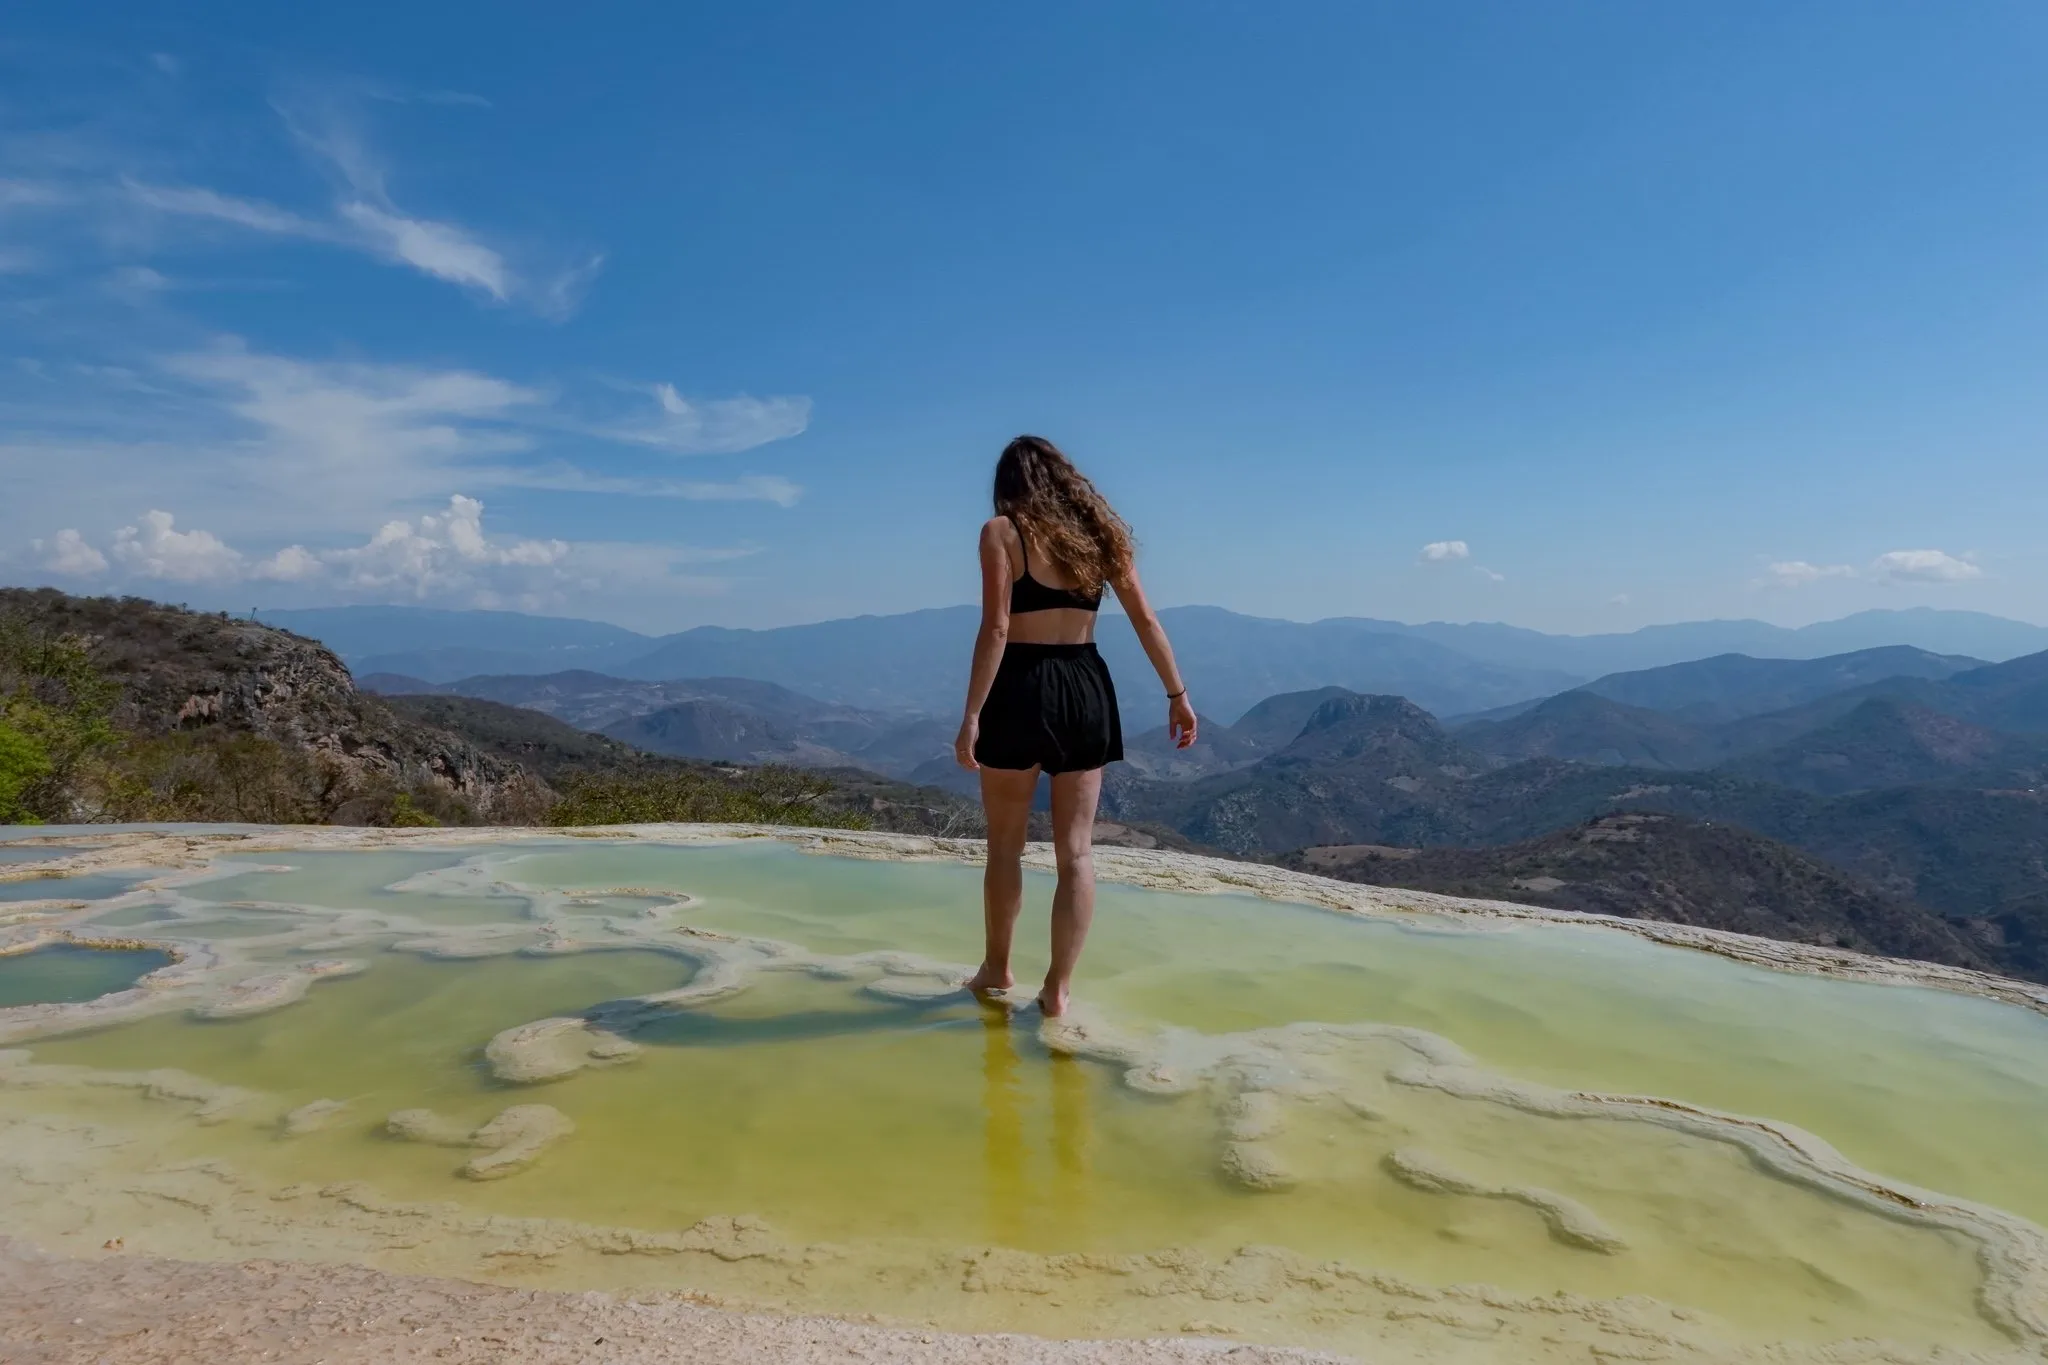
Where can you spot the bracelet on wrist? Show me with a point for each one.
(1176, 696)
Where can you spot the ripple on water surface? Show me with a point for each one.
(839, 1115)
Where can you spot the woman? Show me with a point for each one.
(1040, 698)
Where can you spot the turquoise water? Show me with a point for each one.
(93, 886)
(62, 974)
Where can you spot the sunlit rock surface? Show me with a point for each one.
(1283, 1110)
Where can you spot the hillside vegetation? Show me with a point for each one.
(117, 709)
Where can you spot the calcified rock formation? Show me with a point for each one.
(549, 1049)
(1570, 1221)
(211, 1103)
(512, 1141)
(311, 1117)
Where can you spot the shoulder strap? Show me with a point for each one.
(1023, 546)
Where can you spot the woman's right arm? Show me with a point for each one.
(1180, 712)
(988, 641)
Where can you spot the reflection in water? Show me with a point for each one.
(1016, 1207)
(1070, 1140)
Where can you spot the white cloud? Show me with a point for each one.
(440, 551)
(442, 250)
(1794, 573)
(253, 214)
(156, 549)
(1488, 574)
(365, 218)
(68, 553)
(1620, 599)
(752, 488)
(440, 556)
(292, 564)
(1445, 551)
(748, 488)
(31, 194)
(166, 63)
(1895, 567)
(295, 450)
(348, 439)
(1924, 566)
(719, 426)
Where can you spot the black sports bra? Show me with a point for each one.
(1028, 594)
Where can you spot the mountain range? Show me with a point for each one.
(1890, 798)
(918, 660)
(738, 720)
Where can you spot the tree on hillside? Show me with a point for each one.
(55, 721)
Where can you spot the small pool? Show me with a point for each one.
(93, 886)
(64, 974)
(33, 853)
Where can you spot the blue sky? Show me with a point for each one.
(1578, 316)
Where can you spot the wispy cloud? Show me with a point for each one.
(748, 488)
(287, 450)
(1793, 573)
(354, 435)
(1924, 566)
(1898, 567)
(718, 426)
(253, 214)
(365, 217)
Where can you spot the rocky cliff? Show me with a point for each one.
(183, 671)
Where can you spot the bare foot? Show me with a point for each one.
(986, 981)
(1052, 1003)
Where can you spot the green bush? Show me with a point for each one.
(55, 726)
(216, 775)
(23, 763)
(769, 795)
(406, 815)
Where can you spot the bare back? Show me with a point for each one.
(1052, 626)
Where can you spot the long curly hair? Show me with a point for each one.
(1067, 521)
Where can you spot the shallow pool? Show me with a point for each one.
(899, 1124)
(63, 974)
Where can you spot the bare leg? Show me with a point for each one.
(1073, 903)
(1006, 799)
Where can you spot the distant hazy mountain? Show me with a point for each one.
(918, 660)
(1987, 725)
(728, 719)
(445, 645)
(396, 685)
(1886, 743)
(1586, 727)
(1730, 686)
(1938, 631)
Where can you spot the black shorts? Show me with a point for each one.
(1052, 707)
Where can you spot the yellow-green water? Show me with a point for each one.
(839, 1116)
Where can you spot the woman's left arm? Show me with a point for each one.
(988, 641)
(1180, 712)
